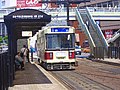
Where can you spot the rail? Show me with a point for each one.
(98, 30)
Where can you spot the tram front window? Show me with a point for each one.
(57, 41)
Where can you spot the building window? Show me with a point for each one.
(0, 29)
(116, 3)
(110, 4)
(99, 5)
(3, 30)
(104, 4)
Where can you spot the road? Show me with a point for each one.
(89, 75)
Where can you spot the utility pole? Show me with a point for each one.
(66, 3)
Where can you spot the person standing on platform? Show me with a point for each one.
(24, 51)
(31, 50)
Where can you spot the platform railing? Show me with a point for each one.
(4, 71)
(113, 53)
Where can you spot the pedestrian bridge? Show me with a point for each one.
(61, 13)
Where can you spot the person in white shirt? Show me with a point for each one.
(24, 50)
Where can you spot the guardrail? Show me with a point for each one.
(4, 71)
(113, 52)
(98, 52)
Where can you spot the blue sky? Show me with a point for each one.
(0, 3)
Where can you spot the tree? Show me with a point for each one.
(5, 38)
(1, 39)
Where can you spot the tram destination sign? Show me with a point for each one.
(59, 29)
(27, 16)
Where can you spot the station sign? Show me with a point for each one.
(28, 3)
(27, 16)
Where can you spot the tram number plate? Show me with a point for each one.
(60, 55)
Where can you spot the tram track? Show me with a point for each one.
(92, 76)
(79, 82)
(62, 80)
(105, 68)
(101, 75)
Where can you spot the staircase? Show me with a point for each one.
(91, 29)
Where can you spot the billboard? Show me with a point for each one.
(108, 34)
(28, 3)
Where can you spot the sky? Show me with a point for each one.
(0, 3)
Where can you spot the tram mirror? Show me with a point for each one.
(68, 37)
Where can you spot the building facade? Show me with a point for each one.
(8, 3)
(100, 3)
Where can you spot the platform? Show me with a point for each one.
(34, 77)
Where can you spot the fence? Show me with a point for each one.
(98, 52)
(113, 52)
(3, 71)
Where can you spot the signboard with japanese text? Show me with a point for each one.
(108, 34)
(28, 3)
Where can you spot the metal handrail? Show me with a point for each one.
(97, 28)
(103, 9)
(114, 37)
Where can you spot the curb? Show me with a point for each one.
(107, 62)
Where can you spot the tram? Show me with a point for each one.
(56, 47)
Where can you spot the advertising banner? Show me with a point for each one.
(28, 3)
(108, 34)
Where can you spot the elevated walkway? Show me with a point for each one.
(91, 28)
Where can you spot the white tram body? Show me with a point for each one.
(56, 47)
